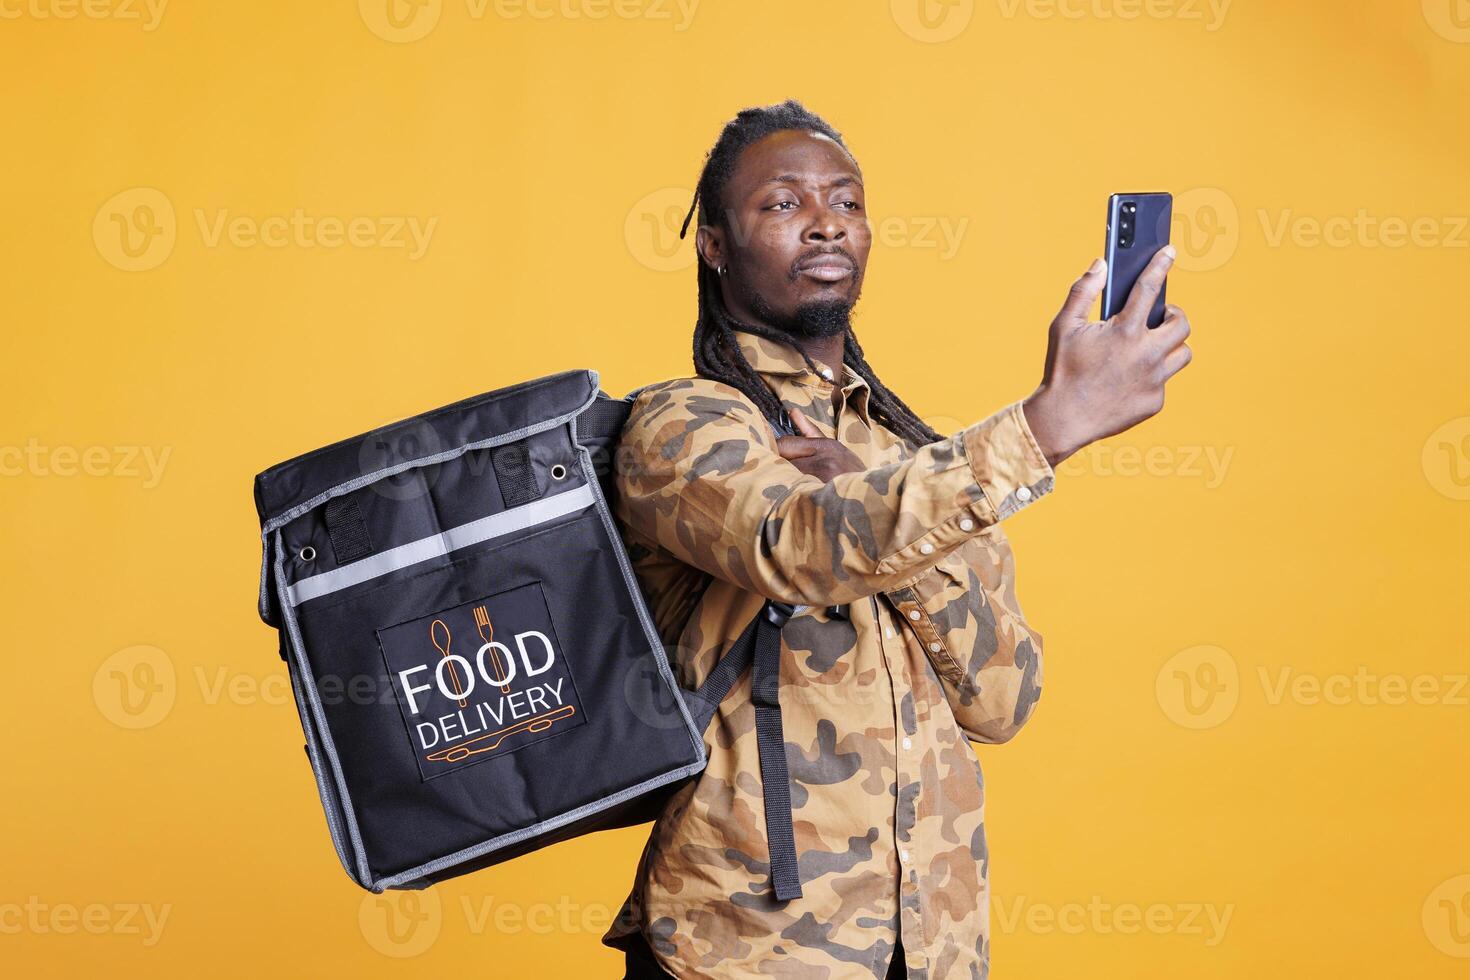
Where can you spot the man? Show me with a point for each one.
(911, 643)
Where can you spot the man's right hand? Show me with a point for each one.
(1105, 376)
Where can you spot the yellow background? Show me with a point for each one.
(1165, 769)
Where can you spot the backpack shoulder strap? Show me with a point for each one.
(759, 647)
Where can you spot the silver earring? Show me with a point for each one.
(721, 270)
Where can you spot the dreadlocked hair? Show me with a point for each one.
(717, 354)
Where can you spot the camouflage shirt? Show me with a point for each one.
(878, 708)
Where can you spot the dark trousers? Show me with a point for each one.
(641, 964)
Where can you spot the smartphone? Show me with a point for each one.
(1138, 226)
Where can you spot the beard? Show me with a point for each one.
(814, 318)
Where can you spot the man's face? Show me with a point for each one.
(796, 239)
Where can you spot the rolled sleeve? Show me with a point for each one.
(1007, 462)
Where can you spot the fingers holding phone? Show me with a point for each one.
(1102, 377)
(1144, 297)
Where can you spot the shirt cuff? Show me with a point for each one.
(1007, 462)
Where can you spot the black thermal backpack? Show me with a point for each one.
(475, 669)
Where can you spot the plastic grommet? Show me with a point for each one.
(558, 472)
(307, 554)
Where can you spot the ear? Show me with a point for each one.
(709, 241)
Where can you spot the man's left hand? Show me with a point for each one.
(815, 454)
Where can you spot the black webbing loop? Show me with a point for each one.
(603, 420)
(513, 472)
(759, 646)
(347, 529)
(765, 688)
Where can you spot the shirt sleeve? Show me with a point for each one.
(698, 474)
(969, 622)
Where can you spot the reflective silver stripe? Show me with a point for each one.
(451, 539)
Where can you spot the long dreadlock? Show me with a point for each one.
(717, 354)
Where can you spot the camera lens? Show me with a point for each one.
(1129, 208)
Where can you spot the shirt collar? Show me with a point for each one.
(782, 364)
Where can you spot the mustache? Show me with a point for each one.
(815, 253)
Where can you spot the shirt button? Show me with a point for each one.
(1023, 493)
(903, 855)
(935, 648)
(827, 373)
(913, 614)
(967, 525)
(926, 548)
(888, 632)
(908, 743)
